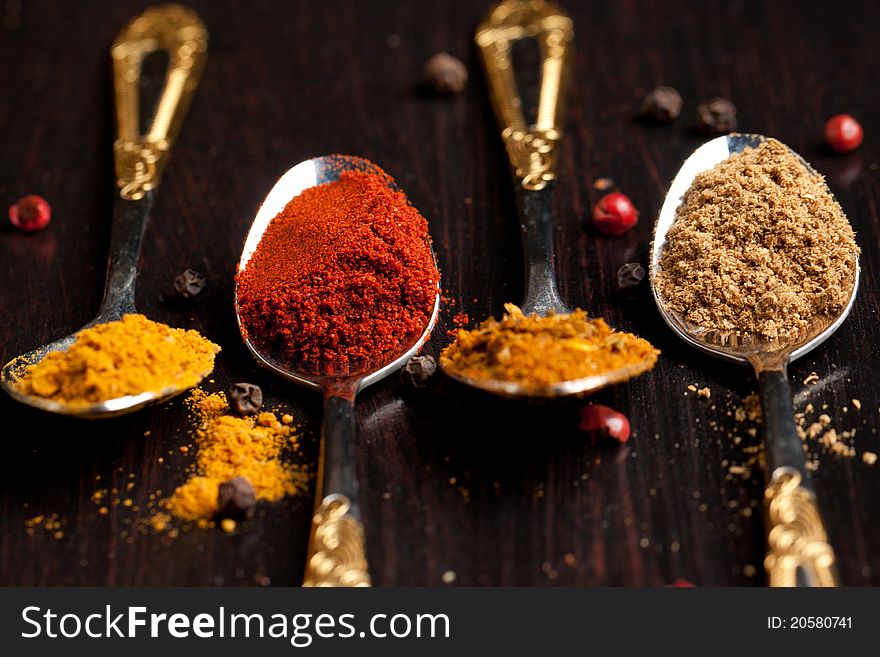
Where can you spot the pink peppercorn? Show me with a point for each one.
(843, 133)
(604, 422)
(30, 213)
(615, 214)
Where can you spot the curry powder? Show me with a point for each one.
(228, 446)
(542, 351)
(126, 357)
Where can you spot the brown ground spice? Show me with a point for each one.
(758, 246)
(541, 351)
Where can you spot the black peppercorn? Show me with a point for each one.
(236, 499)
(716, 116)
(445, 74)
(419, 371)
(630, 275)
(189, 284)
(662, 105)
(246, 398)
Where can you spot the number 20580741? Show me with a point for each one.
(809, 623)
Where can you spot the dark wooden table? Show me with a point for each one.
(496, 492)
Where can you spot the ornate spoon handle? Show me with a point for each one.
(177, 30)
(530, 148)
(336, 549)
(336, 555)
(798, 552)
(140, 158)
(517, 84)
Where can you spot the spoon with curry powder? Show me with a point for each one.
(337, 287)
(140, 159)
(546, 349)
(754, 262)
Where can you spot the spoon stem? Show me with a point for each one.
(536, 225)
(337, 555)
(338, 467)
(126, 237)
(798, 550)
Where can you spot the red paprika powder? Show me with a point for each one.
(341, 276)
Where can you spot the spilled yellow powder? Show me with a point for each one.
(206, 406)
(229, 446)
(126, 357)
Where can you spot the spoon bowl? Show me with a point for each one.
(336, 554)
(735, 347)
(15, 369)
(306, 174)
(799, 553)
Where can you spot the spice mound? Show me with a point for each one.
(229, 447)
(759, 246)
(341, 276)
(126, 357)
(542, 351)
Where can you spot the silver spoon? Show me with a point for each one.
(336, 555)
(140, 160)
(525, 45)
(798, 552)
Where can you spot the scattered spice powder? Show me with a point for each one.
(543, 351)
(341, 276)
(759, 246)
(126, 357)
(252, 447)
(460, 319)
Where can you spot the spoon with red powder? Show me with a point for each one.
(337, 287)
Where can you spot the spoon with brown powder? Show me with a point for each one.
(753, 261)
(140, 159)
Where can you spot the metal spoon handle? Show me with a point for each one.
(516, 83)
(140, 158)
(536, 227)
(531, 145)
(798, 550)
(336, 555)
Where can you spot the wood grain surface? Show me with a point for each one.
(498, 493)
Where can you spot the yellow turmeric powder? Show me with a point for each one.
(542, 351)
(126, 357)
(229, 446)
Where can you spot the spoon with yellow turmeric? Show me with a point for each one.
(545, 349)
(122, 361)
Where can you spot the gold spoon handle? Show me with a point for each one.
(798, 552)
(531, 146)
(336, 548)
(140, 158)
(337, 554)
